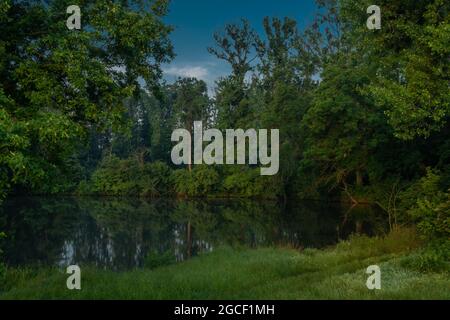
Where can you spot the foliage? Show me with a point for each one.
(428, 206)
(156, 179)
(343, 126)
(57, 84)
(247, 182)
(191, 102)
(129, 177)
(412, 82)
(435, 257)
(200, 181)
(231, 181)
(155, 259)
(235, 46)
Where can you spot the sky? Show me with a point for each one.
(195, 22)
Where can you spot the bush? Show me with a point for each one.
(84, 188)
(155, 179)
(433, 258)
(247, 182)
(116, 177)
(129, 177)
(154, 259)
(433, 218)
(428, 206)
(399, 240)
(200, 181)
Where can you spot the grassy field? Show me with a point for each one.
(270, 273)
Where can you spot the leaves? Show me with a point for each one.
(57, 84)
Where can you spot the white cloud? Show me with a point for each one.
(206, 70)
(198, 72)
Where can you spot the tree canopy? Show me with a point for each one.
(57, 84)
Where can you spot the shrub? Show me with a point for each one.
(428, 206)
(433, 217)
(84, 188)
(433, 258)
(155, 179)
(155, 259)
(397, 241)
(117, 176)
(200, 181)
(247, 182)
(183, 182)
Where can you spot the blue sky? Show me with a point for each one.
(195, 21)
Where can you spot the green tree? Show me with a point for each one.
(343, 127)
(191, 104)
(56, 85)
(235, 45)
(287, 66)
(412, 82)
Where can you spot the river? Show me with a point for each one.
(127, 233)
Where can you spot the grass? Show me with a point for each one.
(270, 273)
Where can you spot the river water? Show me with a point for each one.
(126, 233)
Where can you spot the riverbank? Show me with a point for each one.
(269, 273)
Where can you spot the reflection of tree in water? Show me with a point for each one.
(195, 221)
(362, 219)
(309, 224)
(37, 228)
(129, 229)
(119, 233)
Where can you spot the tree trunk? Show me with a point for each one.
(359, 178)
(358, 227)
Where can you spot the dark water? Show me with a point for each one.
(121, 233)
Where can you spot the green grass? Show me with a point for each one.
(270, 273)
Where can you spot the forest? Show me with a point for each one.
(363, 115)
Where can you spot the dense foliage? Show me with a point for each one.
(58, 85)
(128, 177)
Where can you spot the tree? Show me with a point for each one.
(191, 104)
(343, 127)
(56, 84)
(412, 83)
(286, 68)
(235, 46)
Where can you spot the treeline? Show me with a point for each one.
(363, 114)
(130, 177)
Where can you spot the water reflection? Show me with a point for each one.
(120, 233)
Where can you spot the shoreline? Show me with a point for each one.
(276, 273)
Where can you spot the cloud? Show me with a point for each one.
(206, 70)
(198, 72)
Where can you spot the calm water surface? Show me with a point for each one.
(123, 233)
